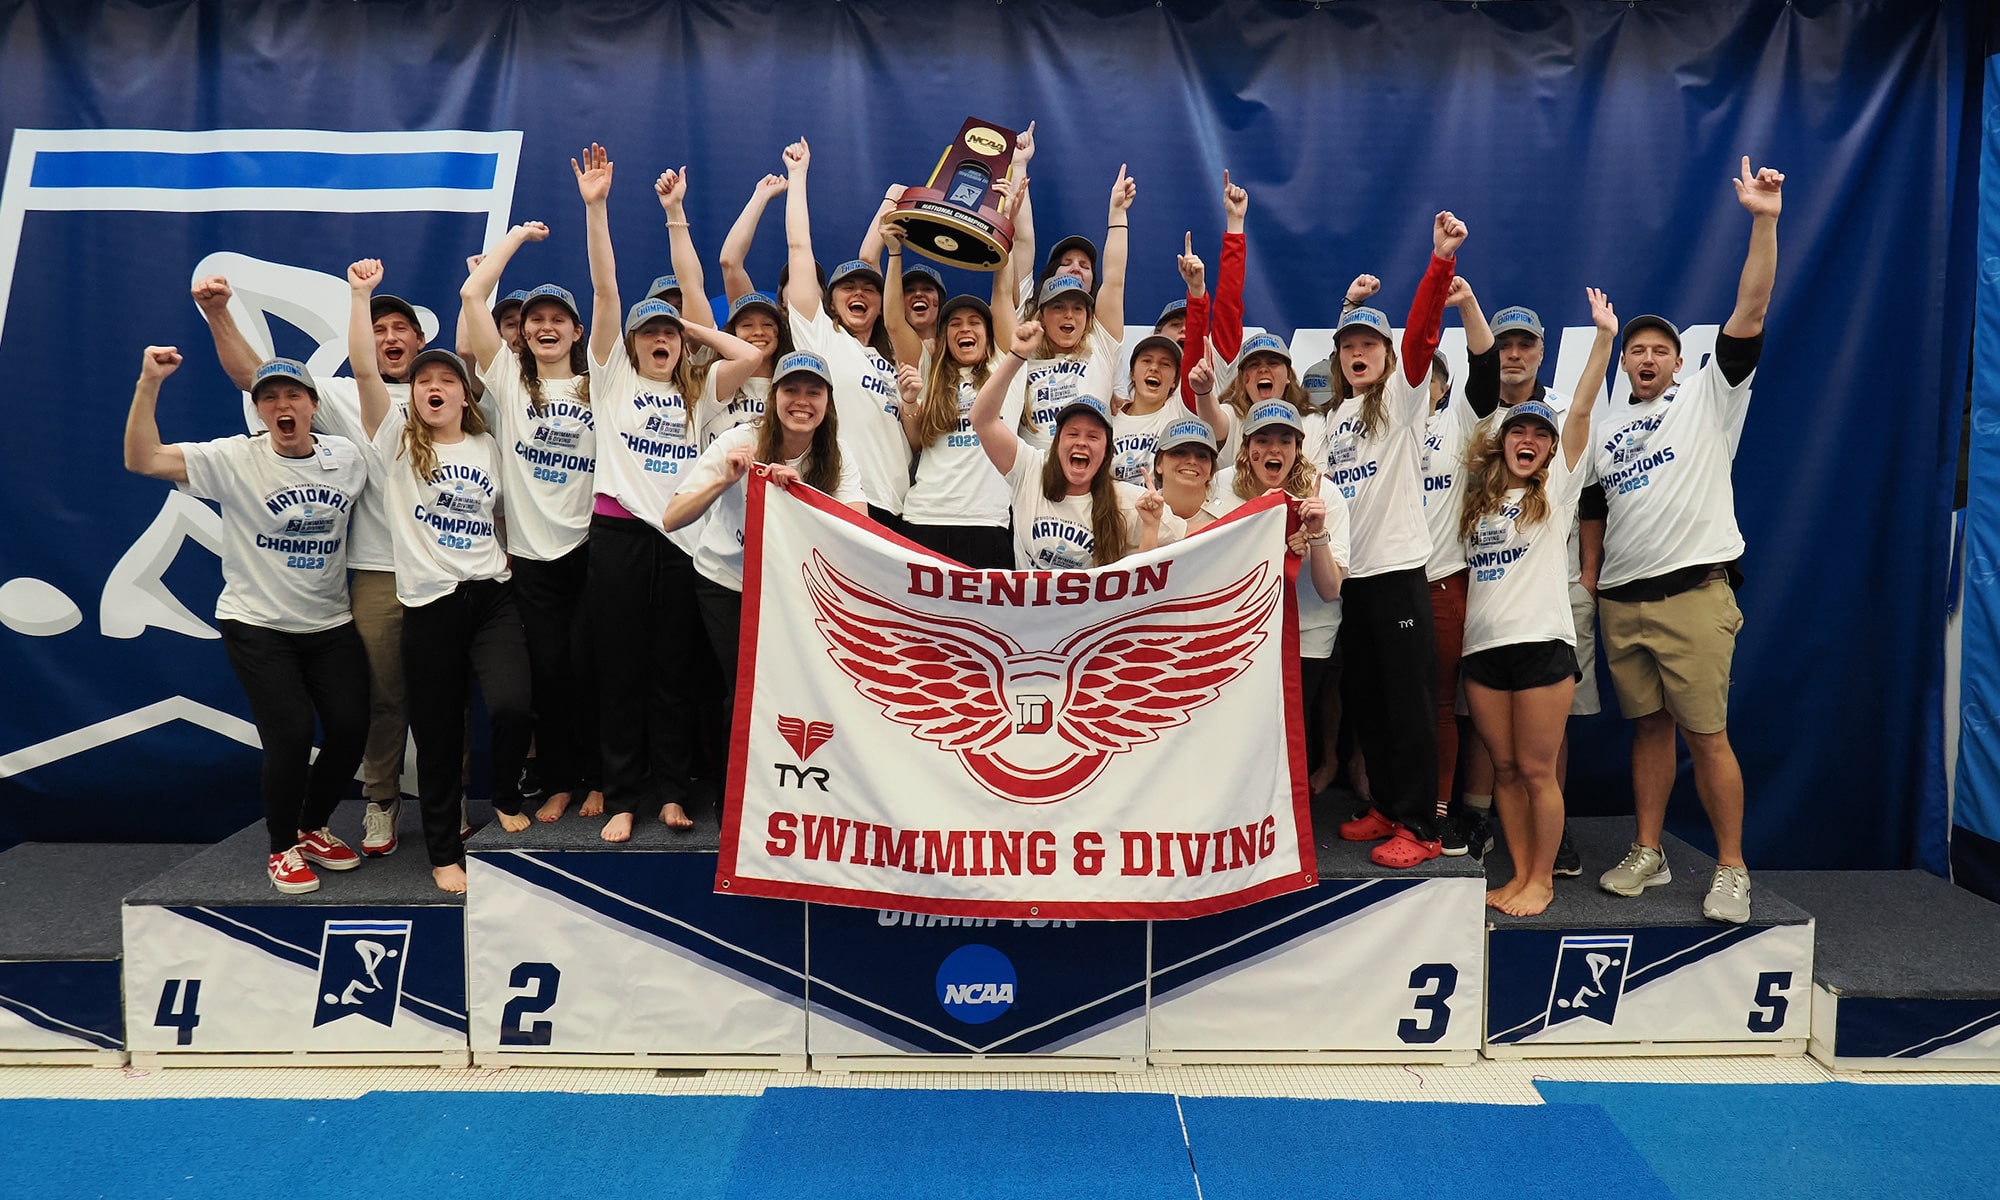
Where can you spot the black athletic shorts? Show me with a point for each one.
(1521, 666)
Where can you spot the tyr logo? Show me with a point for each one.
(792, 771)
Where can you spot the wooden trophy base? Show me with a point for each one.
(975, 241)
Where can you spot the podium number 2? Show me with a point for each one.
(1442, 980)
(544, 978)
(177, 1011)
(1769, 1015)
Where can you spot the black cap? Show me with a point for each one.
(1073, 242)
(1646, 321)
(380, 304)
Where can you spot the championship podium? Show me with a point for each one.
(1617, 976)
(1906, 973)
(60, 946)
(1368, 965)
(223, 970)
(583, 952)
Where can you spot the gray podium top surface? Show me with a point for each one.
(573, 832)
(1349, 860)
(233, 871)
(1898, 933)
(59, 900)
(1601, 842)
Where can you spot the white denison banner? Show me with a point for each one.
(1119, 743)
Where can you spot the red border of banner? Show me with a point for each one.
(729, 882)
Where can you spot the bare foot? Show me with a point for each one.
(450, 879)
(618, 828)
(673, 816)
(1501, 896)
(513, 822)
(593, 805)
(553, 808)
(1529, 899)
(1321, 779)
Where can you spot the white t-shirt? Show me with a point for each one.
(1381, 477)
(719, 556)
(1665, 468)
(442, 527)
(285, 525)
(712, 416)
(1319, 620)
(1133, 437)
(1056, 535)
(1448, 432)
(547, 461)
(955, 483)
(648, 449)
(1044, 386)
(368, 544)
(1518, 589)
(1558, 401)
(864, 394)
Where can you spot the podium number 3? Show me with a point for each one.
(544, 978)
(1442, 980)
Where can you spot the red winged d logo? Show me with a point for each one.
(1116, 684)
(804, 736)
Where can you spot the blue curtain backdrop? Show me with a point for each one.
(1584, 143)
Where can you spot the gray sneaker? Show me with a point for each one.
(1641, 868)
(378, 827)
(1728, 896)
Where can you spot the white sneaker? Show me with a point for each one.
(378, 828)
(1641, 868)
(1728, 896)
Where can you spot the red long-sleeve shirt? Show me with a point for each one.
(1228, 332)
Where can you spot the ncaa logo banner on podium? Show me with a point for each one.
(1117, 744)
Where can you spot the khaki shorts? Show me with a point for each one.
(1674, 654)
(1583, 611)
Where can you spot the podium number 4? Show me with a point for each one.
(1442, 980)
(544, 978)
(177, 1010)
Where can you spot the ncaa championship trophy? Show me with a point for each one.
(956, 217)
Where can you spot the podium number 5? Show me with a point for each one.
(1769, 1015)
(544, 978)
(1442, 980)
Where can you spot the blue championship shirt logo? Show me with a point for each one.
(1589, 978)
(361, 970)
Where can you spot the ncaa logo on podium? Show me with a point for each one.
(975, 984)
(361, 970)
(1589, 978)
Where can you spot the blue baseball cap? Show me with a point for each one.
(550, 291)
(1263, 343)
(281, 370)
(1068, 286)
(663, 285)
(1369, 320)
(799, 362)
(1531, 410)
(1083, 404)
(648, 310)
(856, 266)
(927, 271)
(1273, 413)
(750, 300)
(514, 299)
(440, 354)
(1178, 308)
(1189, 431)
(1517, 320)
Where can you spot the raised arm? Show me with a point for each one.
(363, 278)
(593, 183)
(1201, 384)
(1022, 256)
(671, 188)
(736, 359)
(1576, 426)
(910, 403)
(1194, 332)
(1421, 331)
(736, 245)
(802, 284)
(1111, 270)
(232, 349)
(902, 334)
(1226, 330)
(145, 453)
(1001, 303)
(1482, 371)
(995, 436)
(1327, 572)
(1762, 196)
(482, 335)
(872, 241)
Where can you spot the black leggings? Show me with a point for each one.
(722, 615)
(475, 630)
(983, 546)
(289, 678)
(1389, 685)
(550, 597)
(648, 630)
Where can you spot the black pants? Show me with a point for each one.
(983, 546)
(475, 630)
(550, 597)
(1389, 685)
(722, 615)
(641, 601)
(289, 678)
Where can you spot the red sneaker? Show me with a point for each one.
(1370, 826)
(321, 847)
(291, 875)
(1405, 850)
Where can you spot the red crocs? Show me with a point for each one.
(1370, 826)
(1404, 850)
